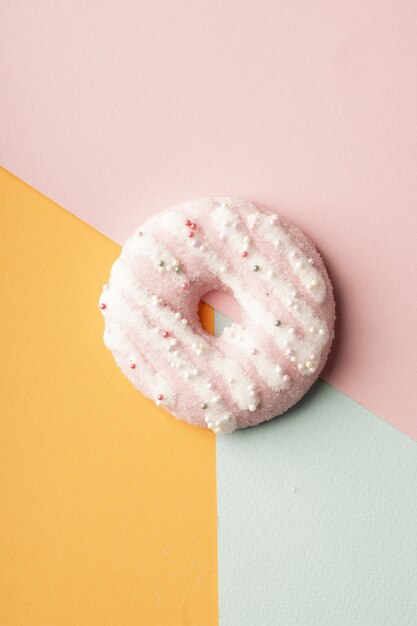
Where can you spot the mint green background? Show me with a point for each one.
(317, 518)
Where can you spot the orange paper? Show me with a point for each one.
(108, 504)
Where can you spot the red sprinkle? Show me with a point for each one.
(191, 234)
(102, 306)
(188, 222)
(165, 334)
(193, 226)
(160, 397)
(244, 253)
(133, 366)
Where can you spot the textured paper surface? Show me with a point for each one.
(118, 110)
(317, 518)
(108, 504)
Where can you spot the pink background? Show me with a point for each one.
(118, 110)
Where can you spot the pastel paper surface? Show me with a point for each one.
(117, 111)
(317, 519)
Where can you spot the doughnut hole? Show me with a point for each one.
(228, 304)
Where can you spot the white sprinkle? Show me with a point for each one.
(230, 380)
(293, 359)
(168, 268)
(209, 385)
(321, 331)
(222, 269)
(286, 378)
(246, 239)
(184, 321)
(291, 331)
(198, 352)
(173, 342)
(252, 407)
(177, 315)
(311, 330)
(175, 263)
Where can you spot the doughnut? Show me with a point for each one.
(257, 368)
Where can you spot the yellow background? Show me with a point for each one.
(107, 503)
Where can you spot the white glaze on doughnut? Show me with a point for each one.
(256, 369)
(283, 289)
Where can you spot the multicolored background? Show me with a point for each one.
(111, 511)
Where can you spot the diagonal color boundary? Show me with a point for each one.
(317, 518)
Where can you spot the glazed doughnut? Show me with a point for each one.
(257, 368)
